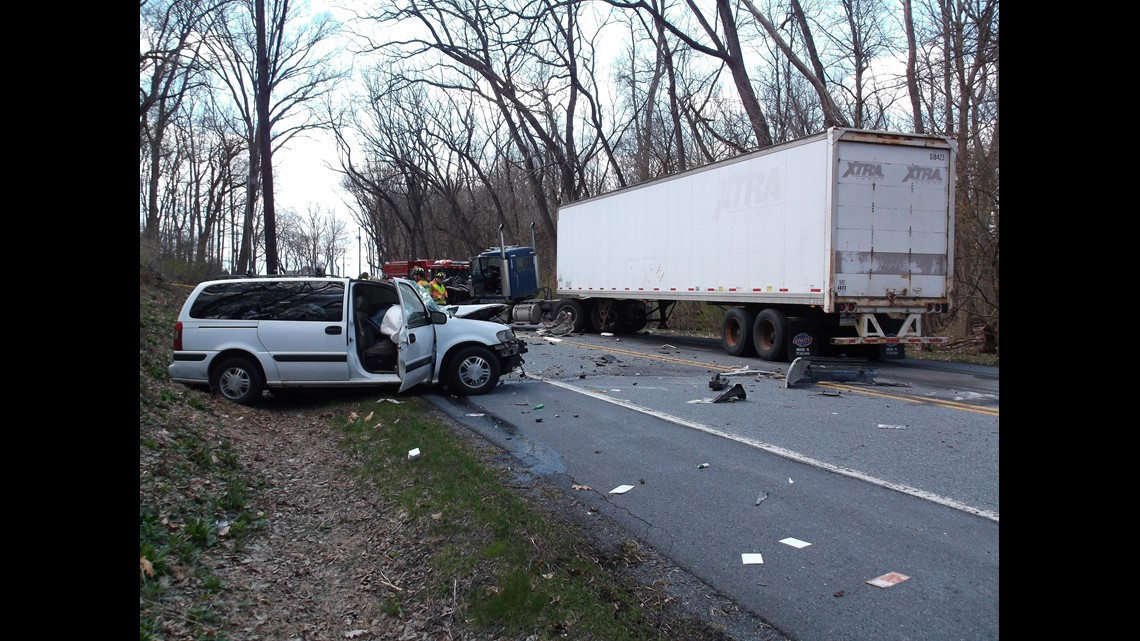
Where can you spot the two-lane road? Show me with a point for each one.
(810, 491)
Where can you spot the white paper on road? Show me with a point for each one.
(621, 489)
(751, 558)
(796, 543)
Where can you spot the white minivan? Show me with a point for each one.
(241, 336)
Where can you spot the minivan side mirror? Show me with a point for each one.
(438, 318)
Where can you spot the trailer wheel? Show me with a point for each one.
(604, 316)
(736, 332)
(770, 334)
(633, 318)
(575, 311)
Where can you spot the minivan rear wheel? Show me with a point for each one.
(238, 379)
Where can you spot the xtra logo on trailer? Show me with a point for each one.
(864, 170)
(926, 174)
(802, 339)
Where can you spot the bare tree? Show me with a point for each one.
(957, 81)
(813, 70)
(724, 44)
(300, 70)
(911, 64)
(168, 70)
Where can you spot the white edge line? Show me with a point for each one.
(779, 451)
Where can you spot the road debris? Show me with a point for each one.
(813, 369)
(718, 382)
(562, 325)
(760, 499)
(887, 580)
(736, 392)
(751, 558)
(796, 543)
(621, 489)
(413, 454)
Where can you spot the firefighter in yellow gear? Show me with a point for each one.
(438, 289)
(420, 276)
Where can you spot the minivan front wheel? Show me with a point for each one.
(238, 379)
(473, 370)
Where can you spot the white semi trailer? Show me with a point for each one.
(812, 247)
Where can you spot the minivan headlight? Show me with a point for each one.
(506, 335)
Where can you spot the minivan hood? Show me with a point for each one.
(485, 312)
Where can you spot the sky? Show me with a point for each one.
(302, 181)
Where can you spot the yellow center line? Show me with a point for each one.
(839, 386)
(988, 411)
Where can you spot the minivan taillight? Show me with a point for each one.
(178, 336)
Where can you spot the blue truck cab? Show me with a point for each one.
(504, 274)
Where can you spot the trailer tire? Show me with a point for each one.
(770, 334)
(736, 331)
(633, 317)
(576, 312)
(604, 316)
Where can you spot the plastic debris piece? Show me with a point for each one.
(888, 579)
(892, 427)
(538, 420)
(539, 406)
(751, 558)
(813, 369)
(796, 543)
(389, 400)
(621, 489)
(667, 348)
(413, 454)
(606, 334)
(736, 392)
(760, 499)
(476, 414)
(702, 466)
(718, 382)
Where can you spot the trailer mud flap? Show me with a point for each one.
(842, 370)
(803, 338)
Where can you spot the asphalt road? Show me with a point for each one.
(810, 491)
